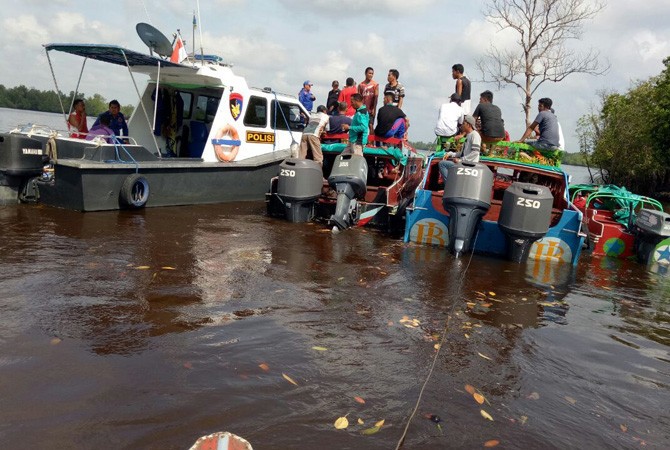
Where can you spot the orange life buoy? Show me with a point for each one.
(226, 143)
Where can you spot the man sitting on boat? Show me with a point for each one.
(548, 126)
(101, 128)
(336, 121)
(115, 119)
(450, 118)
(77, 120)
(493, 127)
(359, 128)
(470, 151)
(311, 135)
(391, 121)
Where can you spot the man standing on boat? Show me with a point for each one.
(117, 122)
(306, 97)
(463, 86)
(311, 135)
(333, 95)
(470, 151)
(359, 128)
(393, 86)
(548, 126)
(369, 89)
(345, 96)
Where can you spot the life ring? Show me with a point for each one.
(226, 143)
(134, 191)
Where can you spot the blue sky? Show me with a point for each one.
(282, 43)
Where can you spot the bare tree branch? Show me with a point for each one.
(543, 29)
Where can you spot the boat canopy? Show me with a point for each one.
(113, 54)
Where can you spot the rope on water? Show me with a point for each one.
(437, 353)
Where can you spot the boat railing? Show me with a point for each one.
(505, 150)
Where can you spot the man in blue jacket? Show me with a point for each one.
(359, 128)
(117, 122)
(306, 97)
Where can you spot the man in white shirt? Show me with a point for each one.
(311, 135)
(449, 117)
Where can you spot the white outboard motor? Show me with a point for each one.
(298, 187)
(349, 179)
(524, 217)
(467, 197)
(651, 228)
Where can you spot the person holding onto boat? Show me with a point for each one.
(311, 135)
(493, 127)
(547, 123)
(393, 86)
(306, 97)
(345, 96)
(359, 128)
(391, 121)
(369, 89)
(463, 87)
(77, 120)
(101, 128)
(333, 95)
(450, 118)
(470, 151)
(116, 119)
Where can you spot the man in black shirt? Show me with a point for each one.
(333, 94)
(493, 127)
(391, 121)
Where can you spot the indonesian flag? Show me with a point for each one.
(179, 52)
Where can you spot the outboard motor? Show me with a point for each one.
(467, 197)
(651, 228)
(21, 158)
(349, 179)
(298, 187)
(524, 217)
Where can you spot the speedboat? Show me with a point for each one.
(513, 203)
(199, 134)
(349, 190)
(622, 224)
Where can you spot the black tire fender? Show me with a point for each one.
(134, 191)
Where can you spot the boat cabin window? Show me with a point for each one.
(291, 113)
(187, 98)
(256, 115)
(205, 108)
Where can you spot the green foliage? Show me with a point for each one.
(574, 159)
(629, 138)
(423, 145)
(21, 97)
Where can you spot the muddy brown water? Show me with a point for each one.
(149, 329)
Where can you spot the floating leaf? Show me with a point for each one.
(436, 346)
(534, 396)
(492, 294)
(55, 341)
(479, 398)
(470, 389)
(143, 267)
(485, 415)
(264, 367)
(570, 400)
(491, 443)
(360, 400)
(188, 365)
(380, 423)
(484, 356)
(360, 421)
(523, 420)
(340, 279)
(289, 379)
(467, 336)
(369, 431)
(623, 427)
(342, 423)
(168, 268)
(320, 349)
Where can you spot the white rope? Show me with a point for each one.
(437, 353)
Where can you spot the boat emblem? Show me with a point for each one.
(236, 103)
(430, 231)
(552, 249)
(662, 253)
(614, 247)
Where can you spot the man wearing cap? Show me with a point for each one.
(311, 135)
(450, 117)
(470, 151)
(306, 97)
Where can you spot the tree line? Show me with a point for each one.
(22, 97)
(628, 135)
